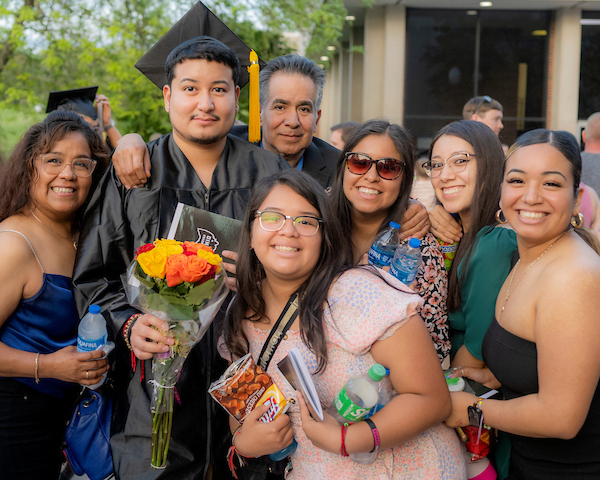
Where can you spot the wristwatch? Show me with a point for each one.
(475, 413)
(110, 125)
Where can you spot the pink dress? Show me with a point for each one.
(362, 309)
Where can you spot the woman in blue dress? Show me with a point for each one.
(44, 185)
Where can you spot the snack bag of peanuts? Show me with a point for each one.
(244, 386)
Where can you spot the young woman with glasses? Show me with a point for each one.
(45, 183)
(372, 187)
(349, 318)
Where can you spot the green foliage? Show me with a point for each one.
(50, 45)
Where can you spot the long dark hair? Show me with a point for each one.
(19, 174)
(313, 293)
(567, 145)
(404, 143)
(486, 197)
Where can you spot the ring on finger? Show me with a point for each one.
(87, 374)
(435, 227)
(462, 372)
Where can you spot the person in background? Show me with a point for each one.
(422, 190)
(341, 132)
(486, 110)
(45, 183)
(349, 319)
(542, 343)
(372, 188)
(590, 170)
(86, 103)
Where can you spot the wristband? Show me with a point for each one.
(375, 432)
(343, 451)
(127, 329)
(37, 367)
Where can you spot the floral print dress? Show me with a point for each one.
(362, 309)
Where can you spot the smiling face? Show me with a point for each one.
(290, 116)
(285, 255)
(61, 195)
(538, 198)
(455, 189)
(369, 193)
(201, 101)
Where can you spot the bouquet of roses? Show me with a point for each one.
(182, 284)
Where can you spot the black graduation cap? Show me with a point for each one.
(80, 100)
(199, 21)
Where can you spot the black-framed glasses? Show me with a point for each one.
(305, 225)
(360, 163)
(457, 163)
(54, 164)
(484, 99)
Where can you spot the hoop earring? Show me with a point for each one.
(577, 220)
(500, 217)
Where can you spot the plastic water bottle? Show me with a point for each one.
(384, 246)
(384, 397)
(357, 396)
(92, 335)
(407, 261)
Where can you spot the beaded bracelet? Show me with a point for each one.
(343, 451)
(127, 329)
(375, 432)
(478, 406)
(37, 367)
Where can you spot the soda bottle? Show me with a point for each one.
(407, 261)
(357, 396)
(384, 397)
(92, 335)
(384, 246)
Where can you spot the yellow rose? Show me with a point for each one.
(154, 262)
(171, 247)
(211, 258)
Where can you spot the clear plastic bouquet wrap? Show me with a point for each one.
(182, 283)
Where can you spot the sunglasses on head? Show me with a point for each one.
(484, 99)
(360, 163)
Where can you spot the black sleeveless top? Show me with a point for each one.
(513, 360)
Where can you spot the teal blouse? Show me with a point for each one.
(488, 268)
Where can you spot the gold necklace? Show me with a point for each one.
(508, 292)
(72, 239)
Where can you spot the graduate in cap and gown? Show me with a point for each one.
(93, 108)
(197, 164)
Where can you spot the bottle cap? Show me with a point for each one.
(395, 226)
(93, 309)
(414, 243)
(377, 372)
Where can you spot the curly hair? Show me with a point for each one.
(20, 174)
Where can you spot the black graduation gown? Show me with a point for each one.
(118, 221)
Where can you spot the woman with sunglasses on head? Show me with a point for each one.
(542, 343)
(372, 187)
(348, 319)
(45, 183)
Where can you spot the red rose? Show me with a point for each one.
(144, 248)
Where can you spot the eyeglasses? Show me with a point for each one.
(360, 163)
(457, 163)
(305, 225)
(54, 164)
(484, 99)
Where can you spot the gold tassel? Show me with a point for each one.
(254, 120)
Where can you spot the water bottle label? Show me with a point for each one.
(86, 345)
(405, 275)
(379, 258)
(347, 408)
